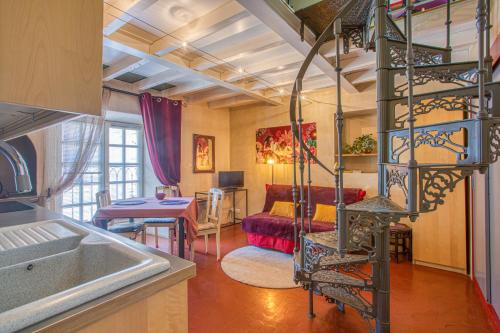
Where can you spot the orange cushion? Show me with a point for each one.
(325, 213)
(282, 208)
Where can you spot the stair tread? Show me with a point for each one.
(336, 259)
(327, 239)
(447, 65)
(378, 204)
(453, 91)
(343, 296)
(462, 121)
(329, 276)
(419, 45)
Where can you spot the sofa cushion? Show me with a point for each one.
(278, 226)
(282, 208)
(319, 195)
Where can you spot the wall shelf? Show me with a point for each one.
(359, 155)
(357, 123)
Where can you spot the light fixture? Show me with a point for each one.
(270, 161)
(303, 98)
(240, 70)
(281, 91)
(184, 44)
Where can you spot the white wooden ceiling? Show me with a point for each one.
(225, 53)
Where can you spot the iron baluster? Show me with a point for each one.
(448, 24)
(481, 26)
(294, 192)
(337, 29)
(301, 177)
(309, 182)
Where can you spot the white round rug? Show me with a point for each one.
(259, 267)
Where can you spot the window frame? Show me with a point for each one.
(105, 165)
(124, 164)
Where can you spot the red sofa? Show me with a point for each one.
(276, 232)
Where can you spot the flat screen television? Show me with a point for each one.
(231, 179)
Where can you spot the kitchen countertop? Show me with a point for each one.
(180, 270)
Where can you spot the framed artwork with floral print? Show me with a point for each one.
(275, 143)
(203, 153)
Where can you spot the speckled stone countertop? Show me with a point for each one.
(179, 271)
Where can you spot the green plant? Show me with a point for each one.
(364, 144)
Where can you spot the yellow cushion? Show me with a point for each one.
(282, 208)
(325, 213)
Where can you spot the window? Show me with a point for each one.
(79, 201)
(124, 158)
(117, 164)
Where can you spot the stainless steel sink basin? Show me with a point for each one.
(52, 266)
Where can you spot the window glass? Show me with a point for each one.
(122, 158)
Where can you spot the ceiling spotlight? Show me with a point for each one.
(281, 91)
(240, 70)
(303, 97)
(184, 44)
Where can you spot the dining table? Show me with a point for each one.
(182, 208)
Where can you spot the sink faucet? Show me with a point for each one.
(22, 175)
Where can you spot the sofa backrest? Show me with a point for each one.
(319, 195)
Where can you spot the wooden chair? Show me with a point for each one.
(163, 222)
(212, 221)
(128, 229)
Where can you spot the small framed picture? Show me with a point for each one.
(203, 153)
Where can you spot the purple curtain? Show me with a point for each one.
(162, 128)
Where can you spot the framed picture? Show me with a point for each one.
(203, 153)
(275, 143)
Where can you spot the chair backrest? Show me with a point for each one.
(103, 198)
(169, 190)
(215, 199)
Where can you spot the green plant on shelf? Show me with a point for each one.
(365, 144)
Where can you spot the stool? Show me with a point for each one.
(401, 236)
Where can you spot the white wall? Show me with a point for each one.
(479, 230)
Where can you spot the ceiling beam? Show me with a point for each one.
(189, 88)
(117, 16)
(278, 17)
(263, 66)
(211, 95)
(165, 76)
(136, 48)
(204, 26)
(127, 64)
(231, 102)
(238, 50)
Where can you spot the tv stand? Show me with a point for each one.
(202, 195)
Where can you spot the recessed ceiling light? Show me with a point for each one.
(184, 44)
(240, 70)
(281, 91)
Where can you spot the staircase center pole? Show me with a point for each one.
(410, 70)
(481, 27)
(381, 269)
(339, 116)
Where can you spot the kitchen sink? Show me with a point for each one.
(13, 206)
(52, 266)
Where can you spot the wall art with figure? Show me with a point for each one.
(275, 143)
(203, 153)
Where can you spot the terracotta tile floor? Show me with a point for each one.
(423, 300)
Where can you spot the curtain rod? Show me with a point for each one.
(121, 91)
(131, 93)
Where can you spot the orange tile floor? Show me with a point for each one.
(423, 300)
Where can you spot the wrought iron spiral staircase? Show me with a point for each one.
(350, 266)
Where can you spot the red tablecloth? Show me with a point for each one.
(153, 208)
